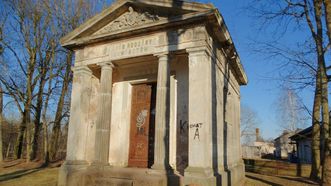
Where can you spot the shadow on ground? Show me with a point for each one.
(276, 180)
(262, 180)
(300, 180)
(18, 174)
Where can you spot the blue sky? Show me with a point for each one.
(260, 94)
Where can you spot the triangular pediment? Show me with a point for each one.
(129, 19)
(132, 18)
(124, 15)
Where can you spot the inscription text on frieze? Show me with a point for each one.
(123, 49)
(132, 48)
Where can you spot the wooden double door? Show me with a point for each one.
(141, 150)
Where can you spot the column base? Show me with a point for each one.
(69, 172)
(99, 164)
(236, 174)
(208, 177)
(92, 175)
(162, 168)
(200, 176)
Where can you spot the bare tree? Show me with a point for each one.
(22, 93)
(1, 120)
(306, 14)
(37, 70)
(326, 164)
(1, 104)
(248, 123)
(291, 112)
(28, 65)
(69, 15)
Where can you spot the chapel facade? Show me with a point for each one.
(155, 97)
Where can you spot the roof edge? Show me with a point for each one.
(240, 69)
(193, 6)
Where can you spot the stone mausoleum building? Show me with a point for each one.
(155, 97)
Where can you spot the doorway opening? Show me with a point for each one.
(142, 125)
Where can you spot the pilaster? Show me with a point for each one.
(200, 168)
(81, 91)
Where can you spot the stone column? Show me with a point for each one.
(81, 90)
(200, 168)
(161, 147)
(102, 137)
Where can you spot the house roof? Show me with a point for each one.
(177, 12)
(283, 134)
(303, 134)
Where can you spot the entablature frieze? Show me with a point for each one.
(167, 41)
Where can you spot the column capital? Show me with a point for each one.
(81, 69)
(107, 64)
(198, 50)
(161, 54)
(164, 56)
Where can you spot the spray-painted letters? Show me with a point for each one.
(197, 127)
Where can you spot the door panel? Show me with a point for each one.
(140, 126)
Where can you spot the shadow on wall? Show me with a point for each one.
(214, 115)
(173, 38)
(225, 124)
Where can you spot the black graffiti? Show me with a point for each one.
(197, 134)
(197, 127)
(183, 126)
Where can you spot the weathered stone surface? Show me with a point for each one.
(129, 19)
(103, 127)
(196, 99)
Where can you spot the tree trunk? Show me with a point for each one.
(316, 161)
(8, 150)
(326, 173)
(19, 142)
(320, 101)
(28, 141)
(27, 123)
(45, 134)
(26, 118)
(58, 116)
(1, 119)
(44, 121)
(37, 118)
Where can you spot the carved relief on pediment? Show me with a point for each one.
(127, 20)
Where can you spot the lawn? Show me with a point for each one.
(20, 173)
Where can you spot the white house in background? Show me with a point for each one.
(258, 149)
(284, 145)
